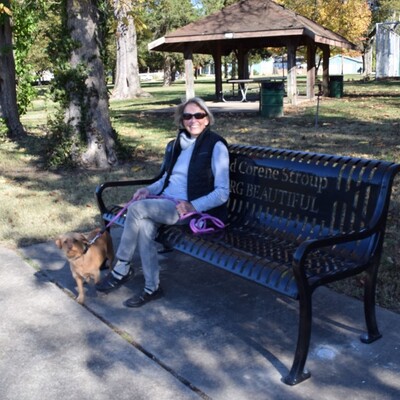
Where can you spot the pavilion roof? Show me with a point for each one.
(249, 23)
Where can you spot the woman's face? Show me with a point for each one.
(193, 125)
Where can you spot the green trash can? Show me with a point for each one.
(336, 86)
(271, 99)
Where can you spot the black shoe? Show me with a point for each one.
(110, 282)
(143, 298)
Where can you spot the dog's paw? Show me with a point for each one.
(80, 299)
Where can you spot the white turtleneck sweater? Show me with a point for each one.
(177, 187)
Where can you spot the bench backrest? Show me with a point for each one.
(308, 195)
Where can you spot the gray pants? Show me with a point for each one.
(143, 219)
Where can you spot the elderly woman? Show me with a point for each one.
(196, 179)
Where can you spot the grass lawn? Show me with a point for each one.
(39, 204)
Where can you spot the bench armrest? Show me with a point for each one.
(308, 246)
(313, 244)
(376, 226)
(113, 184)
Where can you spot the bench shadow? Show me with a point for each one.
(214, 332)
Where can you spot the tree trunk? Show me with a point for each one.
(8, 94)
(189, 74)
(167, 71)
(89, 113)
(127, 81)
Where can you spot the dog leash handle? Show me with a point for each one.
(199, 224)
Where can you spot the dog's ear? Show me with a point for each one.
(58, 243)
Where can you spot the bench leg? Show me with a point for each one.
(222, 96)
(369, 307)
(297, 373)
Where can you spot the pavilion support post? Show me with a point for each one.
(218, 73)
(292, 74)
(326, 53)
(243, 63)
(311, 51)
(189, 73)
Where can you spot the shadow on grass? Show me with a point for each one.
(343, 129)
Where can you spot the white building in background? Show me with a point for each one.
(343, 65)
(338, 65)
(265, 67)
(387, 49)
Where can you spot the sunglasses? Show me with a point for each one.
(188, 116)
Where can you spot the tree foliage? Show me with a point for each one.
(208, 7)
(386, 11)
(27, 16)
(4, 10)
(164, 16)
(167, 15)
(350, 18)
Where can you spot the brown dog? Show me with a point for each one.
(85, 261)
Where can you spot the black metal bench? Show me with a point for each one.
(297, 221)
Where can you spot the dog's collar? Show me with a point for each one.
(85, 250)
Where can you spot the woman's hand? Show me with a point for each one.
(140, 194)
(184, 207)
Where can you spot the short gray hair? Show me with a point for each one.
(194, 100)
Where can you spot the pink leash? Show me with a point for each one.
(197, 225)
(120, 212)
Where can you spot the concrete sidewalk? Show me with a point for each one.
(213, 336)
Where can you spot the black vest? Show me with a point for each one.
(200, 176)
